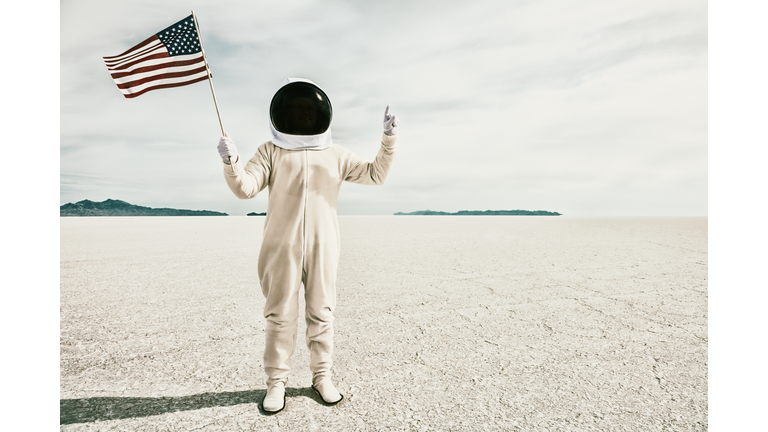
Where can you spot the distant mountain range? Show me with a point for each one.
(483, 213)
(112, 207)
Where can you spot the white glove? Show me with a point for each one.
(227, 150)
(390, 123)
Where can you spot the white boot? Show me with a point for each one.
(274, 401)
(327, 391)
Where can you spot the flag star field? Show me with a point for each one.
(180, 38)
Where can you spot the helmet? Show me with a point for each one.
(300, 108)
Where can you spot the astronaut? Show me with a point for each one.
(304, 171)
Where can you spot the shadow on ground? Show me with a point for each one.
(114, 408)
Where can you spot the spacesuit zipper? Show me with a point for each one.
(304, 219)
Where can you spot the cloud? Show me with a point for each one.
(503, 104)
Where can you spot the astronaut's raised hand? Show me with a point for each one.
(227, 150)
(390, 122)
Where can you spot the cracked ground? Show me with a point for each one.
(444, 323)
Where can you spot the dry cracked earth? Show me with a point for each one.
(442, 324)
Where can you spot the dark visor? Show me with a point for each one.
(300, 108)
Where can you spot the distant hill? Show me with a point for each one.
(112, 207)
(483, 213)
(256, 214)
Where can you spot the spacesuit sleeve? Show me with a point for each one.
(360, 171)
(247, 182)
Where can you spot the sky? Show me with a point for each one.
(589, 108)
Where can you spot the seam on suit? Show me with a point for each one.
(304, 219)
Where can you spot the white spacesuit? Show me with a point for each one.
(304, 172)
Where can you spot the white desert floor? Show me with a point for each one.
(500, 323)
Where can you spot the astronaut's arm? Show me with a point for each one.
(246, 182)
(372, 173)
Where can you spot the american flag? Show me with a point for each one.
(172, 57)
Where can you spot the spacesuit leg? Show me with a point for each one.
(281, 311)
(320, 300)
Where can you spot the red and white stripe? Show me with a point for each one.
(147, 66)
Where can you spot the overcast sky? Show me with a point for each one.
(589, 108)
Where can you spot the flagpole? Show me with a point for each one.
(210, 81)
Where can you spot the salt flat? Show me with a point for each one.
(449, 323)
